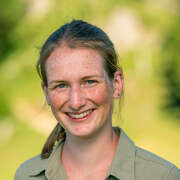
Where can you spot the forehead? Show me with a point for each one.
(66, 62)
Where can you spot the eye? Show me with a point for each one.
(90, 81)
(61, 86)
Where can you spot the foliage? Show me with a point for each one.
(171, 66)
(11, 12)
(4, 108)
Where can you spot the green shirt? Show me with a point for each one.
(129, 163)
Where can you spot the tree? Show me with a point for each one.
(11, 12)
(171, 65)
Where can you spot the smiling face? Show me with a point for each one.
(79, 91)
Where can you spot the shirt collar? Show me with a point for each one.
(38, 166)
(55, 169)
(122, 166)
(51, 166)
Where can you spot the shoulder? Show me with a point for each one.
(151, 164)
(144, 164)
(31, 167)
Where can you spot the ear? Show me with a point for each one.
(45, 90)
(118, 83)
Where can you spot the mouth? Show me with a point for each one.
(80, 116)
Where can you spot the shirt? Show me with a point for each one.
(129, 163)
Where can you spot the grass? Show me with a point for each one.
(23, 143)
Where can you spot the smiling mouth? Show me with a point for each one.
(79, 115)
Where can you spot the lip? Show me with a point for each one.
(80, 119)
(79, 112)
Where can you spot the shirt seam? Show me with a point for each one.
(167, 167)
(169, 172)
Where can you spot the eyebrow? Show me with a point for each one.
(84, 78)
(93, 76)
(56, 81)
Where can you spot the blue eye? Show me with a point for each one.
(91, 81)
(61, 85)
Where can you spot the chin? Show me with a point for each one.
(82, 132)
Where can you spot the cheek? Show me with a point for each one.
(101, 95)
(56, 100)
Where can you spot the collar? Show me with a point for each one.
(36, 166)
(123, 164)
(51, 166)
(55, 169)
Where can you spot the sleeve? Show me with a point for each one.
(21, 174)
(17, 175)
(174, 174)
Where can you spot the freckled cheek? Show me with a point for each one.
(57, 100)
(100, 96)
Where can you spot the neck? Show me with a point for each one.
(93, 149)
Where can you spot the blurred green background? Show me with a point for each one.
(146, 34)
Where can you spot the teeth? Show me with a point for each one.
(73, 115)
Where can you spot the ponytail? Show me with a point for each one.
(57, 134)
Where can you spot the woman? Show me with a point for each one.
(80, 79)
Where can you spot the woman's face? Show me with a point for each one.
(79, 91)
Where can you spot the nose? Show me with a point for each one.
(76, 99)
